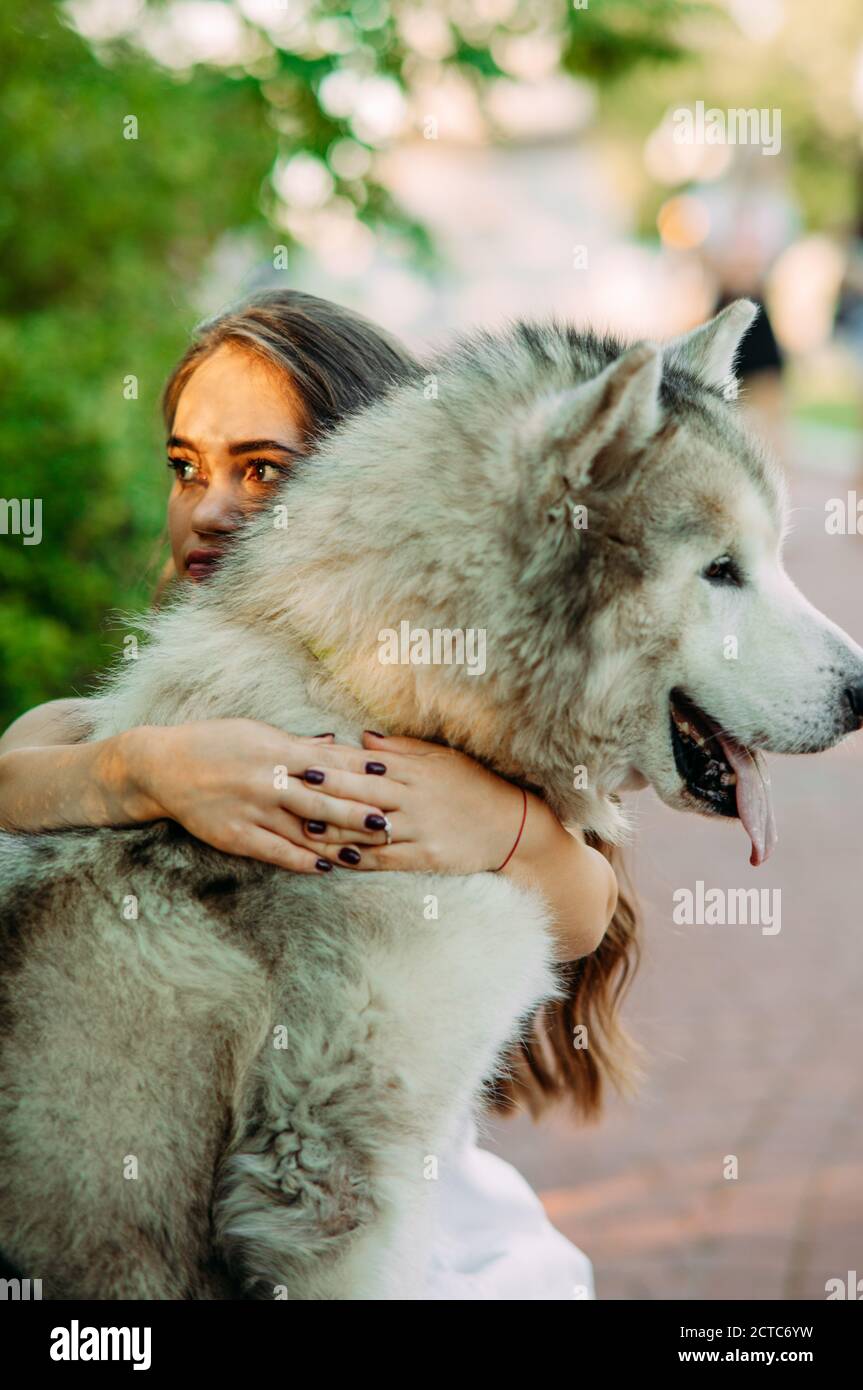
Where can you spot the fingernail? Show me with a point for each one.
(374, 733)
(349, 856)
(375, 823)
(377, 769)
(329, 735)
(313, 775)
(316, 827)
(324, 865)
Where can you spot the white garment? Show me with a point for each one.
(493, 1239)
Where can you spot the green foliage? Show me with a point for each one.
(606, 41)
(100, 240)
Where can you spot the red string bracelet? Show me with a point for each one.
(518, 836)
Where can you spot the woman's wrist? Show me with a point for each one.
(127, 775)
(539, 836)
(578, 883)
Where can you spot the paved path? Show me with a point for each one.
(755, 1042)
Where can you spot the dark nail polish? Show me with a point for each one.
(349, 856)
(377, 769)
(375, 823)
(313, 775)
(317, 827)
(324, 865)
(374, 733)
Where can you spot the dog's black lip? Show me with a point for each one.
(684, 758)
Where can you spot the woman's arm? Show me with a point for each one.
(578, 882)
(50, 779)
(217, 778)
(58, 721)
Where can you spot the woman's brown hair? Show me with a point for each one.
(337, 362)
(577, 1045)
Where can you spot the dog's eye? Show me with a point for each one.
(724, 570)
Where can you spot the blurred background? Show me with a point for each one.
(436, 164)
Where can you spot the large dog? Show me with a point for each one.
(251, 1074)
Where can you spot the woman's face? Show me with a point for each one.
(238, 427)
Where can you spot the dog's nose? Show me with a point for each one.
(854, 699)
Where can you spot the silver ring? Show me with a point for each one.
(388, 830)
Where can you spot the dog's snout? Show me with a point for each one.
(854, 703)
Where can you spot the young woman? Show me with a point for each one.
(258, 386)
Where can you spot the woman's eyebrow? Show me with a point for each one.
(250, 446)
(175, 442)
(247, 446)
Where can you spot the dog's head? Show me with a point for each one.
(602, 516)
(712, 655)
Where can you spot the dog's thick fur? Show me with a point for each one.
(242, 1086)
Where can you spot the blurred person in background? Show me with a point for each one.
(752, 219)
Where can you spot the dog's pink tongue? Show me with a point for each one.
(754, 806)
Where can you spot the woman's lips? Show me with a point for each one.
(201, 563)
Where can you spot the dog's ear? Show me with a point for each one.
(625, 413)
(708, 352)
(587, 436)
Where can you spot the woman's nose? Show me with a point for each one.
(219, 509)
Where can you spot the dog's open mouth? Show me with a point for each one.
(720, 773)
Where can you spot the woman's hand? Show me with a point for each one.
(450, 814)
(447, 813)
(240, 786)
(218, 778)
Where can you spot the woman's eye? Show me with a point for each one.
(724, 570)
(182, 469)
(265, 472)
